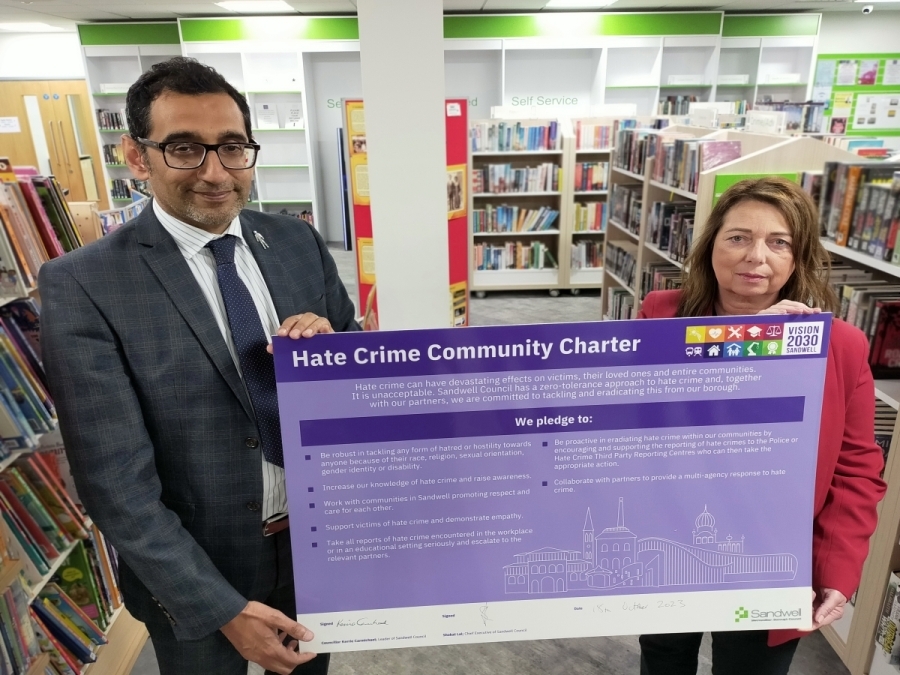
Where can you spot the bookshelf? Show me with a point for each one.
(273, 82)
(111, 67)
(761, 154)
(588, 215)
(853, 637)
(127, 637)
(507, 162)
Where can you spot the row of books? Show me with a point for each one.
(120, 188)
(737, 107)
(621, 304)
(676, 105)
(873, 306)
(36, 226)
(633, 147)
(659, 276)
(503, 178)
(19, 643)
(887, 639)
(513, 137)
(621, 257)
(626, 204)
(513, 255)
(506, 218)
(591, 176)
(807, 117)
(885, 421)
(679, 161)
(113, 154)
(592, 136)
(587, 254)
(591, 216)
(112, 220)
(670, 227)
(859, 207)
(109, 120)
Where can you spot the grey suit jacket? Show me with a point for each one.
(154, 416)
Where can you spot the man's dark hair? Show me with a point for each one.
(181, 75)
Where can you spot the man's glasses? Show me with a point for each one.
(187, 155)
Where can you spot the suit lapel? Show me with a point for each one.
(277, 279)
(168, 264)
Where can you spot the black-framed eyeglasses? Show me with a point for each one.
(190, 155)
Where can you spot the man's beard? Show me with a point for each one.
(221, 214)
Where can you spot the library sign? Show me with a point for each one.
(552, 481)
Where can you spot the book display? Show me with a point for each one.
(61, 604)
(111, 69)
(652, 205)
(520, 180)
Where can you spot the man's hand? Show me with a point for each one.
(828, 607)
(259, 632)
(790, 307)
(303, 325)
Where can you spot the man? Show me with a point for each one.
(155, 342)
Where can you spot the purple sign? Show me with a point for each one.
(558, 480)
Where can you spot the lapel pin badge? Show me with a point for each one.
(260, 239)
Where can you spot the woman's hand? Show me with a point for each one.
(828, 607)
(790, 307)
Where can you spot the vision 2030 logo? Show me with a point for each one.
(752, 615)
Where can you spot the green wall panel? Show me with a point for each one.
(582, 24)
(779, 25)
(270, 28)
(128, 34)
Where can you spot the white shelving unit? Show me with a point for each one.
(116, 67)
(284, 177)
(552, 280)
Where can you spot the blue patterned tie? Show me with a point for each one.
(257, 365)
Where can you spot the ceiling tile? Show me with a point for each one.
(323, 6)
(507, 5)
(463, 5)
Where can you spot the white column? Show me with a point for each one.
(402, 53)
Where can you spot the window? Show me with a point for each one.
(603, 548)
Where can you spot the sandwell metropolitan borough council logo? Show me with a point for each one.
(756, 615)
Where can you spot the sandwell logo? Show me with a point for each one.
(753, 615)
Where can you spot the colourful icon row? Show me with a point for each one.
(717, 350)
(738, 333)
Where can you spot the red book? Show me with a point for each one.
(29, 522)
(44, 228)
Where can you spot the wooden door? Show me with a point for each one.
(66, 119)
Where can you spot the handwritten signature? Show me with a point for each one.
(364, 621)
(484, 614)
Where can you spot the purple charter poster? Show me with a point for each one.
(552, 481)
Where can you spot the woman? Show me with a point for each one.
(759, 253)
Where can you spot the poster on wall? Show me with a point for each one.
(552, 481)
(825, 71)
(891, 74)
(877, 111)
(456, 120)
(846, 71)
(868, 72)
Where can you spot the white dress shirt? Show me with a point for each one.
(192, 244)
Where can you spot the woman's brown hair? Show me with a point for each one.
(812, 265)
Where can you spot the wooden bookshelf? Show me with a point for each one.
(127, 637)
(35, 590)
(761, 154)
(41, 662)
(853, 637)
(9, 573)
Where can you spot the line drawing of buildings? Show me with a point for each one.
(616, 558)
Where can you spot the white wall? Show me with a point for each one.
(40, 56)
(853, 32)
